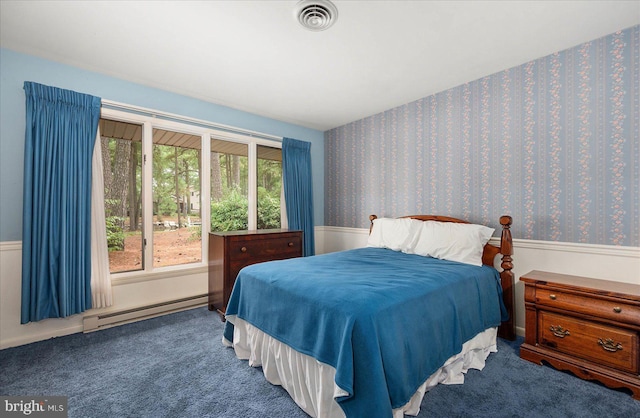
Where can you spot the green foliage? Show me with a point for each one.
(230, 214)
(115, 227)
(268, 210)
(115, 233)
(108, 205)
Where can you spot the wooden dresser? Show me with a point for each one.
(587, 326)
(231, 251)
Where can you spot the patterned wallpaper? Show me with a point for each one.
(555, 143)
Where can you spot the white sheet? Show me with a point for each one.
(311, 384)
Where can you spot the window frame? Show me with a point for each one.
(206, 133)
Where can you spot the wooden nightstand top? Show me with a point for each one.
(627, 291)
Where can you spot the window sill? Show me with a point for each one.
(118, 279)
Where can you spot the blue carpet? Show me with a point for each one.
(176, 366)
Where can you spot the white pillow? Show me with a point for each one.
(452, 241)
(395, 234)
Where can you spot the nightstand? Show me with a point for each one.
(587, 326)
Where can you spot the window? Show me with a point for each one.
(121, 144)
(229, 186)
(159, 173)
(269, 187)
(177, 237)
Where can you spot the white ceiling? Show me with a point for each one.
(254, 56)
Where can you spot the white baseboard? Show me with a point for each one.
(29, 337)
(106, 320)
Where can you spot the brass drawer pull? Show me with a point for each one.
(609, 345)
(617, 309)
(291, 244)
(243, 249)
(559, 332)
(552, 297)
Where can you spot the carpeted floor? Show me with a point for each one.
(176, 366)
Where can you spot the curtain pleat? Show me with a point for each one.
(298, 189)
(56, 255)
(101, 294)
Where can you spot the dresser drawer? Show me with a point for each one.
(266, 249)
(614, 310)
(236, 265)
(602, 344)
(231, 251)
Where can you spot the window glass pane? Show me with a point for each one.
(229, 186)
(121, 146)
(269, 187)
(177, 224)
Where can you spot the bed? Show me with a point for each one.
(368, 331)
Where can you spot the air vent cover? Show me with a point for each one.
(316, 15)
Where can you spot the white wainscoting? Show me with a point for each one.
(129, 294)
(618, 264)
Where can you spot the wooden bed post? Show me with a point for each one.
(507, 329)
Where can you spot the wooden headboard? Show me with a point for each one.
(507, 329)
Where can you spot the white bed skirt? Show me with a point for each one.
(311, 384)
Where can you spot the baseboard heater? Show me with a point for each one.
(112, 319)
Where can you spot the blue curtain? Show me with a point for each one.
(60, 133)
(298, 189)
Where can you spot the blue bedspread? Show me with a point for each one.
(385, 320)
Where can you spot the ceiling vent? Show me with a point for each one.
(316, 15)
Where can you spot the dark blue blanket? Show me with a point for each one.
(383, 319)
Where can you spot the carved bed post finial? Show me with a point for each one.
(371, 219)
(506, 242)
(507, 278)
